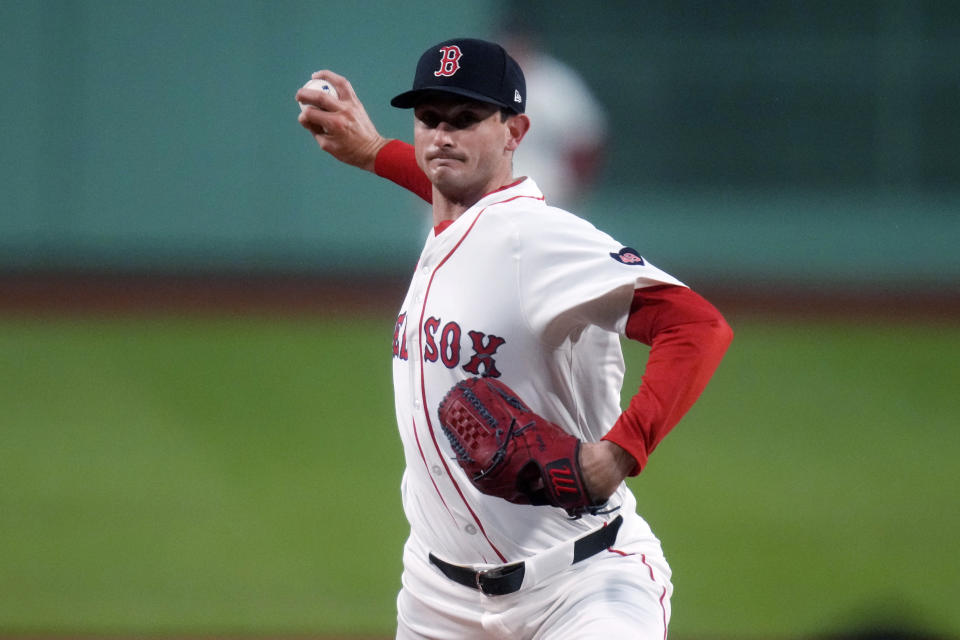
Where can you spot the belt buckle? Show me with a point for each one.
(476, 581)
(480, 575)
(497, 573)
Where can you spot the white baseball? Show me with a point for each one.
(319, 85)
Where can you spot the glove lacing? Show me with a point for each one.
(501, 452)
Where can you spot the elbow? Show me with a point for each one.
(722, 333)
(725, 331)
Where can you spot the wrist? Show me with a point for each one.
(369, 161)
(604, 466)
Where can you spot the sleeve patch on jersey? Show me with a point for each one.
(628, 256)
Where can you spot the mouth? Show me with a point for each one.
(444, 157)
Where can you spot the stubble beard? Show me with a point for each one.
(456, 185)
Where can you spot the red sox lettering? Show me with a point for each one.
(400, 338)
(483, 354)
(442, 343)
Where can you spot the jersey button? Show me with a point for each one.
(437, 471)
(472, 530)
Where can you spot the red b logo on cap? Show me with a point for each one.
(449, 61)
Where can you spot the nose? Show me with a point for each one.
(443, 134)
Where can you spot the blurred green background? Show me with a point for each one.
(217, 475)
(795, 143)
(201, 473)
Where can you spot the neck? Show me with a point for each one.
(447, 207)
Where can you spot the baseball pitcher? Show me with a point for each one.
(507, 371)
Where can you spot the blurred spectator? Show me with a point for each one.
(564, 147)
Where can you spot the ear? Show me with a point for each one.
(517, 127)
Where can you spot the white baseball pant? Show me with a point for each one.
(618, 593)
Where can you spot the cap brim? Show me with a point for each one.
(410, 99)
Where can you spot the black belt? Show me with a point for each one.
(505, 579)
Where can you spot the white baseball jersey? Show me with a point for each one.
(539, 298)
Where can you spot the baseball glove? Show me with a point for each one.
(509, 451)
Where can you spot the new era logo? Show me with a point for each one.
(516, 96)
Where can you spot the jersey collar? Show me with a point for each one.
(522, 187)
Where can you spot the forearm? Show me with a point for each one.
(604, 465)
(688, 338)
(397, 162)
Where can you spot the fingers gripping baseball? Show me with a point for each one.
(338, 121)
(509, 451)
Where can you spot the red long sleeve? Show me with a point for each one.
(398, 163)
(688, 338)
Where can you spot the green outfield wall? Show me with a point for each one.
(778, 142)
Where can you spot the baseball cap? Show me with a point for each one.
(468, 67)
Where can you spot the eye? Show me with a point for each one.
(465, 120)
(429, 119)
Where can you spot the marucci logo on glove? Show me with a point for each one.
(561, 475)
(628, 256)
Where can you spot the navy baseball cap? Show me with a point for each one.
(471, 68)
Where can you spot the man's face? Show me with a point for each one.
(462, 146)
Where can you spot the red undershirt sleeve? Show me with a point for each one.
(687, 338)
(398, 163)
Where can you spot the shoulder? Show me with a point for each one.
(533, 216)
(548, 225)
(523, 210)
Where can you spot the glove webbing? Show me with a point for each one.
(501, 451)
